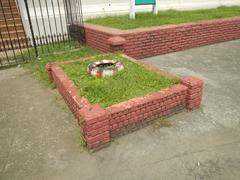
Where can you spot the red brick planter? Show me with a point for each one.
(146, 42)
(100, 125)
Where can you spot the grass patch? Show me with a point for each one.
(64, 53)
(165, 17)
(134, 81)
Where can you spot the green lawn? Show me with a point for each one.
(133, 81)
(64, 53)
(165, 17)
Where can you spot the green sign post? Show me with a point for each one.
(134, 3)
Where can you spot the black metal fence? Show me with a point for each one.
(31, 28)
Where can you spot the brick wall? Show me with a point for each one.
(93, 120)
(128, 116)
(97, 39)
(146, 42)
(99, 125)
(66, 88)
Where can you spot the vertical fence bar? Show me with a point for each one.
(60, 16)
(76, 18)
(39, 34)
(8, 31)
(15, 28)
(25, 40)
(49, 23)
(72, 20)
(65, 3)
(43, 23)
(8, 42)
(80, 12)
(4, 47)
(29, 54)
(77, 30)
(1, 61)
(39, 29)
(31, 27)
(70, 10)
(81, 22)
(54, 16)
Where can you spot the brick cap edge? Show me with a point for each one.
(116, 41)
(191, 81)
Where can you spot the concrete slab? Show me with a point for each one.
(39, 138)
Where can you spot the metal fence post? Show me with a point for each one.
(31, 28)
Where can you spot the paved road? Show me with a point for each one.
(39, 138)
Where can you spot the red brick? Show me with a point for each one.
(116, 41)
(160, 40)
(95, 132)
(194, 93)
(98, 123)
(96, 138)
(192, 82)
(194, 96)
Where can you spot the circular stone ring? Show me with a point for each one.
(104, 68)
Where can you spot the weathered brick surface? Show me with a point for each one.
(146, 42)
(93, 120)
(100, 125)
(194, 92)
(98, 40)
(116, 43)
(66, 88)
(144, 109)
(95, 126)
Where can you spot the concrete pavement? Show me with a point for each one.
(39, 138)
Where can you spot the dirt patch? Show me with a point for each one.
(160, 123)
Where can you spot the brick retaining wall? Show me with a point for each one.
(146, 42)
(99, 125)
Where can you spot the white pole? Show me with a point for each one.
(132, 9)
(155, 8)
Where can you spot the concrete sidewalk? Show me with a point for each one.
(39, 138)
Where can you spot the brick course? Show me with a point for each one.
(99, 125)
(128, 115)
(146, 42)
